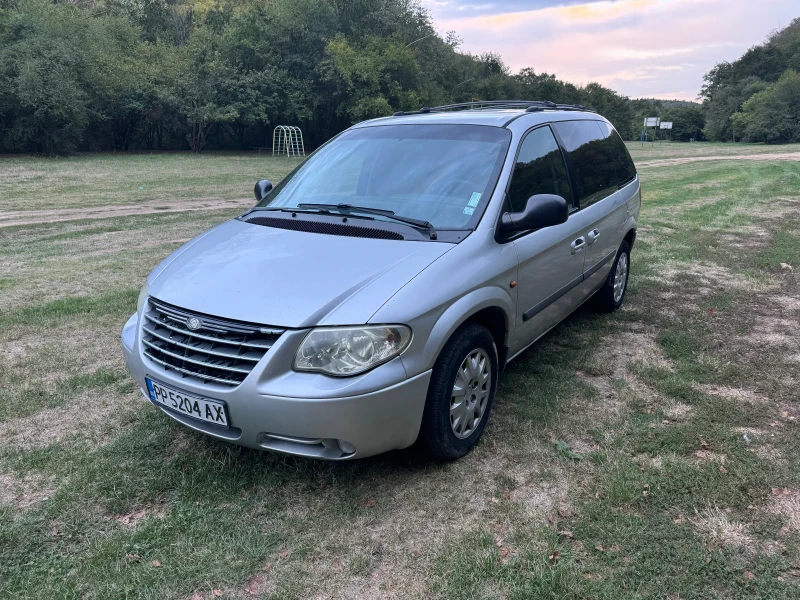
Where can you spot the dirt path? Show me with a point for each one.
(665, 162)
(35, 217)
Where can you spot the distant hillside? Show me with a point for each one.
(757, 97)
(667, 103)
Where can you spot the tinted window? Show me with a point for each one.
(623, 163)
(591, 157)
(539, 170)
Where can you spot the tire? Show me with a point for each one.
(607, 299)
(444, 437)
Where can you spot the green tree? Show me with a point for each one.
(373, 79)
(122, 74)
(772, 114)
(687, 122)
(546, 87)
(610, 104)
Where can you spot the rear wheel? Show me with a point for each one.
(609, 297)
(460, 394)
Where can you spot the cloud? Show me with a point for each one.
(642, 48)
(445, 9)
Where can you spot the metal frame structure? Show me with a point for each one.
(287, 140)
(666, 126)
(649, 122)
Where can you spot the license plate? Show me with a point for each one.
(202, 409)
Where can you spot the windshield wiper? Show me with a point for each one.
(287, 209)
(350, 208)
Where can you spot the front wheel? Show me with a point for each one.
(460, 394)
(609, 297)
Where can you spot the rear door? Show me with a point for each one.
(592, 156)
(550, 259)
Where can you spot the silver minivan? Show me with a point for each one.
(372, 298)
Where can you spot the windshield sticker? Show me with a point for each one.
(476, 197)
(468, 210)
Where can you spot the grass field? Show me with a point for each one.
(652, 453)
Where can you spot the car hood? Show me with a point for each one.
(286, 278)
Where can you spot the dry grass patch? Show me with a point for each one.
(21, 493)
(704, 184)
(542, 500)
(786, 503)
(706, 456)
(677, 411)
(718, 530)
(738, 395)
(612, 371)
(35, 217)
(92, 418)
(660, 461)
(785, 302)
(260, 585)
(745, 237)
(668, 162)
(769, 453)
(705, 278)
(672, 214)
(61, 351)
(750, 432)
(133, 518)
(781, 208)
(774, 331)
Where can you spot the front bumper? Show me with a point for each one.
(313, 419)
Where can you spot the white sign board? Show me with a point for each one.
(666, 125)
(652, 121)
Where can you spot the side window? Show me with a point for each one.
(623, 163)
(591, 159)
(539, 170)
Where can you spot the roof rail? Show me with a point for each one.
(528, 105)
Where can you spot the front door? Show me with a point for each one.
(550, 259)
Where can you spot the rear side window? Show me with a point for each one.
(591, 157)
(539, 170)
(623, 163)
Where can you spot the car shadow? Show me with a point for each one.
(409, 462)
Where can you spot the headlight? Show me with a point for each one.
(344, 351)
(142, 298)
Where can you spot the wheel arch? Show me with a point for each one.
(630, 237)
(495, 320)
(490, 307)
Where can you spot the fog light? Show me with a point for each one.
(346, 447)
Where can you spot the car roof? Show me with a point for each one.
(485, 116)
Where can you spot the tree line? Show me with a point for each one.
(757, 97)
(99, 75)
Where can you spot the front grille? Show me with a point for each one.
(217, 350)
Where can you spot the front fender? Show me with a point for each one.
(422, 358)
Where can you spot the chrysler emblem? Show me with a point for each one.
(194, 323)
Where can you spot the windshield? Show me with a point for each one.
(443, 174)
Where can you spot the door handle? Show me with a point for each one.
(593, 235)
(578, 245)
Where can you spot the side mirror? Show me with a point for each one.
(542, 210)
(262, 189)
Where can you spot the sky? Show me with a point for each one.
(641, 48)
